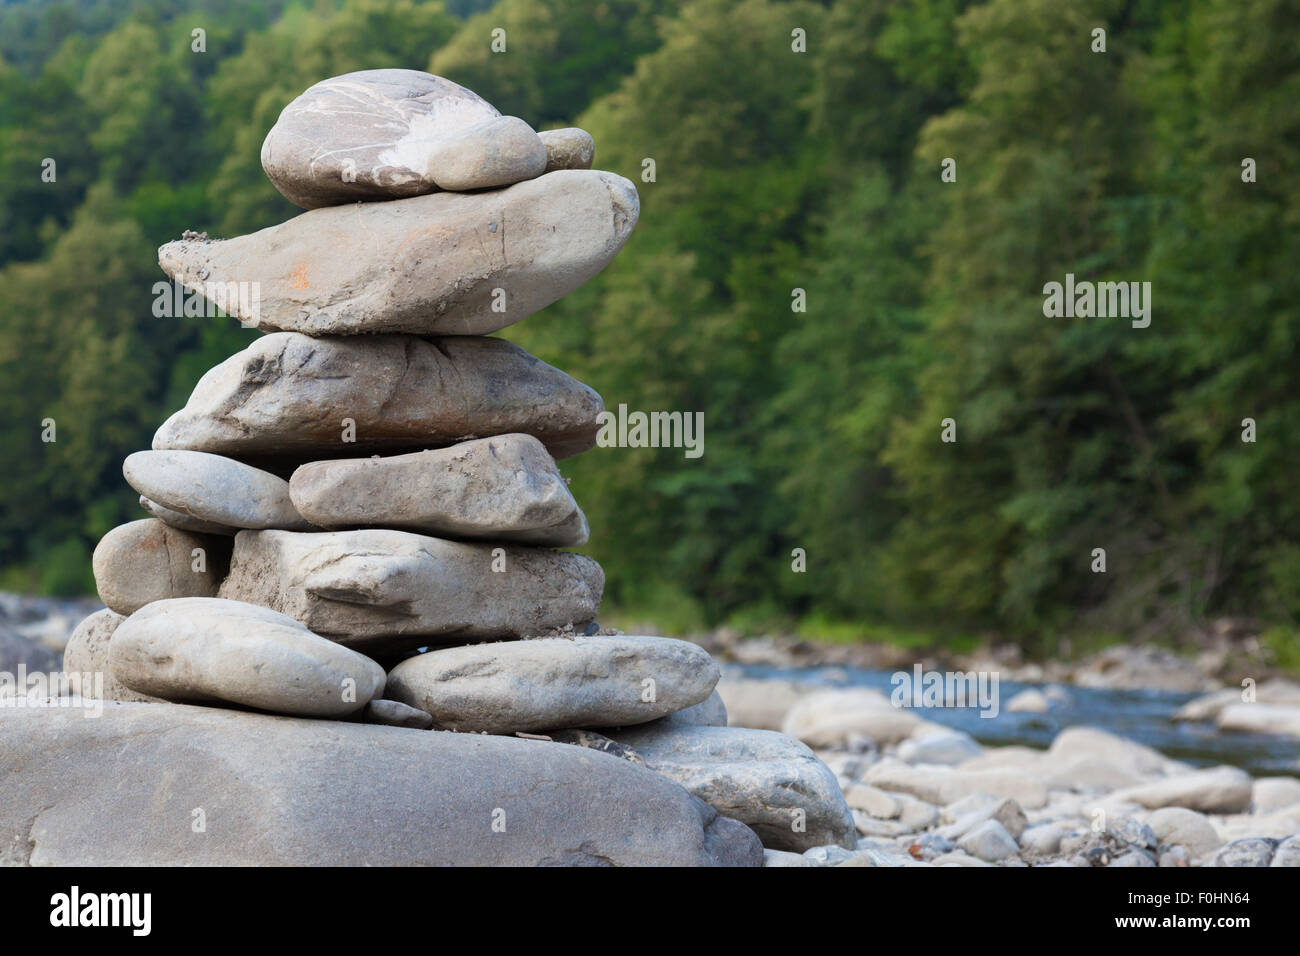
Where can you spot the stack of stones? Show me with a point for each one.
(358, 517)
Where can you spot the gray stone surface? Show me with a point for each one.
(123, 790)
(368, 135)
(379, 590)
(289, 397)
(555, 683)
(1178, 826)
(395, 714)
(496, 152)
(85, 660)
(209, 650)
(767, 780)
(1251, 851)
(710, 712)
(505, 488)
(1221, 789)
(146, 560)
(184, 522)
(214, 489)
(446, 264)
(568, 148)
(989, 841)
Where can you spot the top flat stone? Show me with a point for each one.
(392, 134)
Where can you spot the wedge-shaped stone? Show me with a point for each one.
(767, 780)
(389, 134)
(207, 650)
(505, 488)
(446, 264)
(384, 590)
(279, 791)
(146, 560)
(184, 522)
(555, 683)
(214, 489)
(292, 397)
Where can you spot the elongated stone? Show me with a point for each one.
(505, 488)
(379, 590)
(445, 264)
(207, 650)
(183, 522)
(213, 489)
(290, 397)
(554, 684)
(569, 148)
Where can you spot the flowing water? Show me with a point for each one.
(1141, 715)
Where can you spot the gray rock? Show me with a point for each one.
(568, 148)
(85, 660)
(505, 488)
(944, 786)
(184, 522)
(989, 841)
(1214, 790)
(129, 789)
(871, 801)
(290, 397)
(759, 704)
(146, 560)
(1006, 811)
(827, 718)
(595, 741)
(1178, 826)
(767, 780)
(390, 590)
(1287, 852)
(555, 683)
(1282, 719)
(940, 746)
(446, 264)
(1138, 858)
(209, 650)
(710, 712)
(393, 713)
(213, 489)
(496, 152)
(1045, 838)
(385, 134)
(1275, 793)
(1174, 856)
(785, 858)
(1252, 851)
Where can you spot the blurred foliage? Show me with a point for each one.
(774, 170)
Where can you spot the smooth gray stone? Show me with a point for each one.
(1251, 851)
(1288, 852)
(209, 650)
(505, 488)
(380, 591)
(214, 489)
(395, 714)
(569, 148)
(375, 134)
(183, 522)
(446, 264)
(289, 397)
(130, 789)
(710, 712)
(767, 780)
(554, 683)
(146, 560)
(496, 152)
(85, 660)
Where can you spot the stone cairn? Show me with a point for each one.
(356, 518)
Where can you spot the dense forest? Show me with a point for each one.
(841, 261)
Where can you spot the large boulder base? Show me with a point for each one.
(123, 790)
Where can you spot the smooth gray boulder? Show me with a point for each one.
(1222, 789)
(710, 712)
(209, 650)
(379, 590)
(296, 398)
(554, 683)
(568, 148)
(166, 784)
(446, 264)
(387, 134)
(767, 780)
(214, 489)
(146, 560)
(85, 660)
(505, 488)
